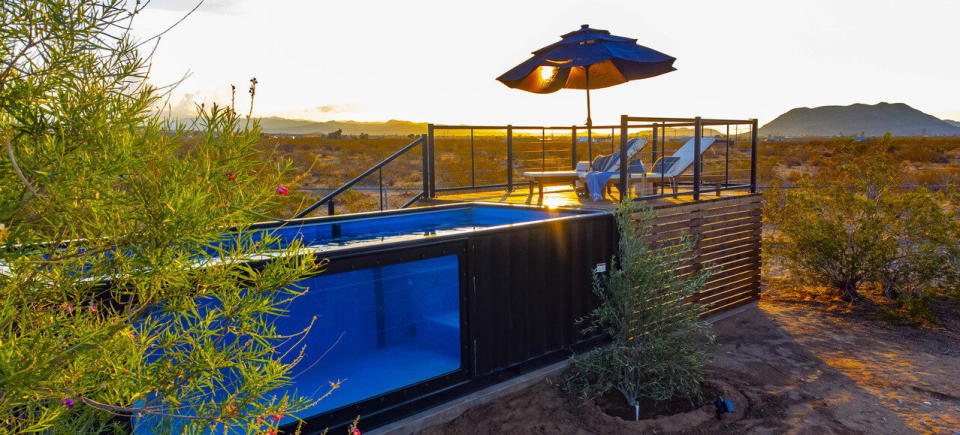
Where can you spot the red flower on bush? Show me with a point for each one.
(277, 417)
(231, 177)
(282, 191)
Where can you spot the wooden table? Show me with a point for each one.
(543, 178)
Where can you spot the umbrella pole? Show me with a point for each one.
(589, 121)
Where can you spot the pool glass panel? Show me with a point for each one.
(385, 327)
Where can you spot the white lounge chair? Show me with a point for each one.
(609, 163)
(669, 168)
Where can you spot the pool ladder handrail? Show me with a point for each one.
(328, 199)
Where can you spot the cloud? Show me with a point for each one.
(185, 105)
(337, 108)
(213, 6)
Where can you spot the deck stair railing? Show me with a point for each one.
(382, 191)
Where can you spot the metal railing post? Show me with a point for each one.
(624, 159)
(573, 147)
(330, 211)
(726, 156)
(590, 144)
(425, 165)
(431, 162)
(697, 160)
(380, 183)
(509, 158)
(473, 165)
(612, 140)
(543, 149)
(654, 147)
(753, 155)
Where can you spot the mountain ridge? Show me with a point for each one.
(278, 125)
(853, 120)
(858, 119)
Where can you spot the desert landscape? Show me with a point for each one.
(797, 362)
(435, 217)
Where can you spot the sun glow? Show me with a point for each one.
(554, 202)
(547, 72)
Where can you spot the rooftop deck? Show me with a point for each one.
(565, 196)
(682, 160)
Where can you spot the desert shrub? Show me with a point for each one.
(659, 345)
(851, 223)
(106, 215)
(920, 231)
(951, 276)
(949, 281)
(916, 310)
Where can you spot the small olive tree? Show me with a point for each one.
(120, 293)
(659, 344)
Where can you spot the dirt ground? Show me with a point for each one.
(791, 366)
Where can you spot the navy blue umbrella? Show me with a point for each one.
(587, 59)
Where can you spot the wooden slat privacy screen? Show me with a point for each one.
(728, 244)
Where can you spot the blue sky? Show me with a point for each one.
(436, 61)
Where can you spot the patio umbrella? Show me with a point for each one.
(587, 59)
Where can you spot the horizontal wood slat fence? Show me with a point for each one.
(728, 244)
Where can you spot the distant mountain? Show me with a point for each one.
(870, 120)
(277, 125)
(952, 122)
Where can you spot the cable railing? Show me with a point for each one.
(499, 154)
(721, 155)
(477, 157)
(724, 163)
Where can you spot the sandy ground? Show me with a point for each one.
(791, 366)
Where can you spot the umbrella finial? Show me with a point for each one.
(584, 26)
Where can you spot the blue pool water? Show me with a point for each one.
(377, 229)
(381, 328)
(390, 326)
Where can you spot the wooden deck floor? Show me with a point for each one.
(565, 196)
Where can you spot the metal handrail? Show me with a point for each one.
(531, 127)
(419, 141)
(415, 198)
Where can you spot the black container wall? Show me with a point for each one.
(528, 288)
(524, 287)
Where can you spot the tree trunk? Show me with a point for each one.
(890, 291)
(848, 290)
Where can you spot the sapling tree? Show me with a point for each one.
(124, 290)
(659, 344)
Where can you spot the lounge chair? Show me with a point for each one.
(606, 163)
(669, 168)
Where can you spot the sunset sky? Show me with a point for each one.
(436, 61)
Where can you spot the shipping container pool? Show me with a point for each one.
(420, 305)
